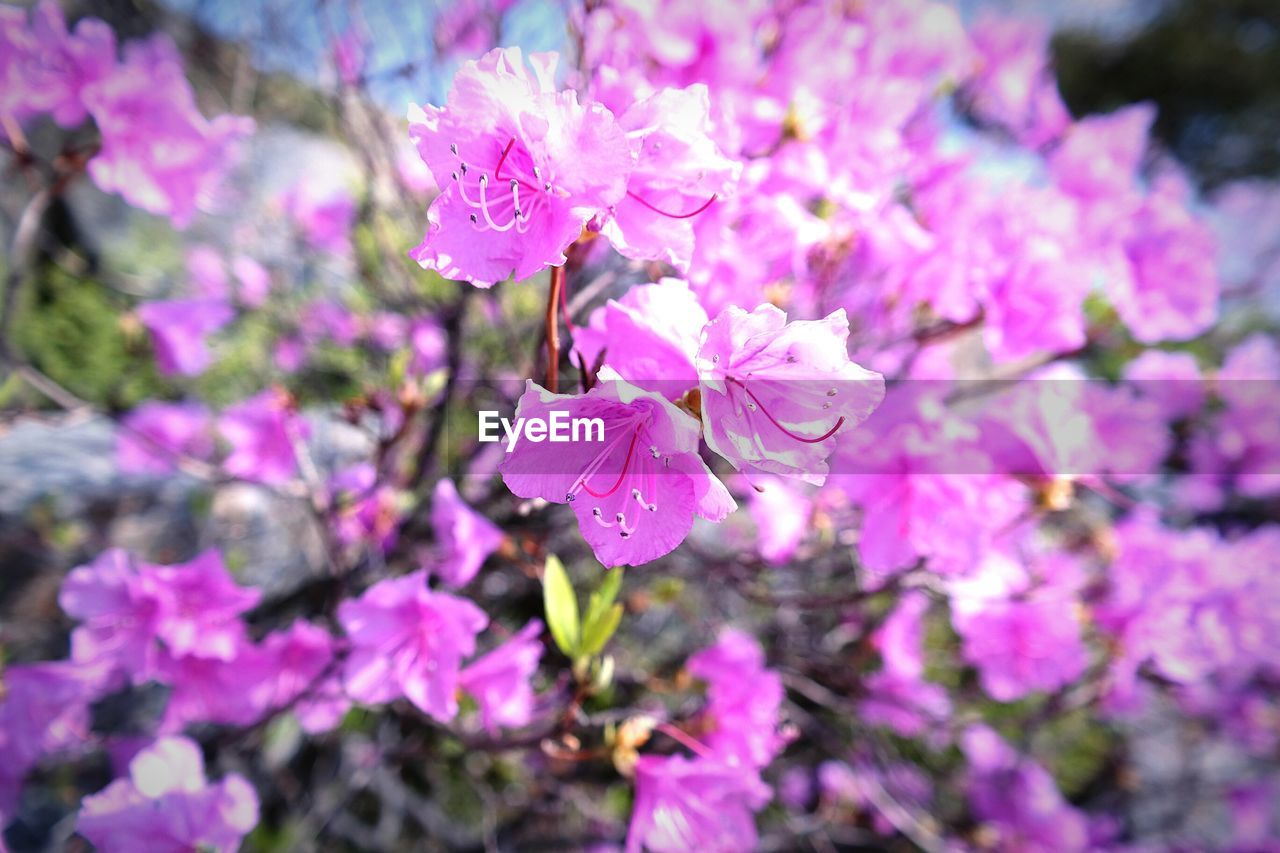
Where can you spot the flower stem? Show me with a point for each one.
(553, 329)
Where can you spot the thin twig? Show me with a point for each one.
(553, 329)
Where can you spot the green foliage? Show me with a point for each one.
(561, 605)
(581, 639)
(73, 330)
(603, 614)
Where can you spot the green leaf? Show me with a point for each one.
(561, 605)
(603, 615)
(596, 634)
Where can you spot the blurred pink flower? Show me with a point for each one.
(44, 710)
(167, 806)
(158, 151)
(685, 804)
(1018, 798)
(500, 680)
(365, 511)
(324, 217)
(207, 273)
(261, 432)
(303, 672)
(465, 537)
(743, 700)
(178, 328)
(783, 516)
(407, 640)
(254, 281)
(154, 434)
(57, 66)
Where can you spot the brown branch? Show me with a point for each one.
(553, 329)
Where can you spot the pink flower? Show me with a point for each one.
(465, 537)
(636, 492)
(158, 151)
(208, 274)
(685, 804)
(500, 680)
(908, 705)
(1170, 379)
(324, 217)
(167, 806)
(44, 710)
(522, 168)
(775, 393)
(120, 611)
(744, 700)
(254, 280)
(261, 431)
(178, 328)
(58, 66)
(783, 516)
(16, 48)
(1015, 85)
(678, 171)
(365, 511)
(303, 671)
(348, 52)
(1018, 798)
(427, 341)
(409, 641)
(898, 696)
(649, 336)
(900, 639)
(1020, 641)
(1099, 157)
(327, 318)
(466, 28)
(154, 434)
(129, 610)
(222, 690)
(200, 606)
(1173, 292)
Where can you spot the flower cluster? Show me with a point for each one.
(157, 151)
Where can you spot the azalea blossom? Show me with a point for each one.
(649, 336)
(178, 328)
(699, 803)
(158, 151)
(261, 432)
(166, 805)
(500, 680)
(466, 538)
(129, 610)
(407, 640)
(636, 492)
(44, 710)
(744, 700)
(522, 166)
(775, 394)
(679, 171)
(50, 67)
(155, 435)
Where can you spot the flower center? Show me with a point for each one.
(501, 211)
(636, 479)
(754, 404)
